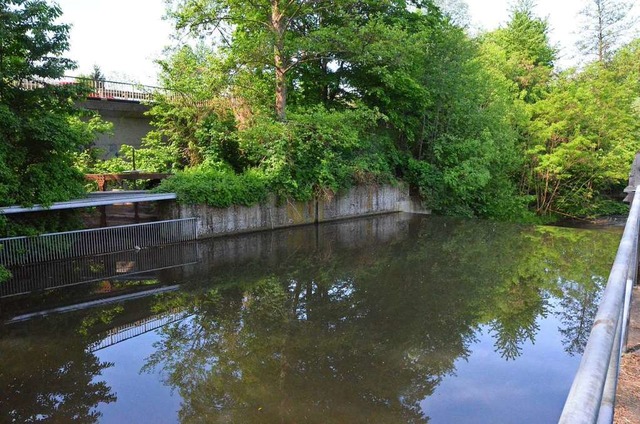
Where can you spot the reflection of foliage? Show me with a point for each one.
(346, 328)
(579, 306)
(286, 348)
(516, 312)
(329, 334)
(102, 316)
(42, 382)
(365, 334)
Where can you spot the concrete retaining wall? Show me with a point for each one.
(358, 201)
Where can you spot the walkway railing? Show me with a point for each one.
(107, 90)
(592, 395)
(114, 90)
(122, 265)
(74, 244)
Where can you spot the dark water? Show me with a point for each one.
(392, 319)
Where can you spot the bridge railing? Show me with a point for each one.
(122, 91)
(104, 90)
(592, 395)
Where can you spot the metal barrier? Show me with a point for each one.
(121, 91)
(592, 395)
(120, 265)
(109, 90)
(74, 244)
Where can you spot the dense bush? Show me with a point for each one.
(216, 186)
(319, 152)
(315, 153)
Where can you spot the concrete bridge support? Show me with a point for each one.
(130, 124)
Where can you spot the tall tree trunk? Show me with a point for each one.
(601, 46)
(281, 92)
(278, 26)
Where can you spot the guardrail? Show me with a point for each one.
(106, 90)
(592, 395)
(97, 241)
(121, 265)
(115, 90)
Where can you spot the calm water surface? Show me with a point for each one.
(394, 319)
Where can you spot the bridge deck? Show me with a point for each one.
(95, 199)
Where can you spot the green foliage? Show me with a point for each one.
(216, 186)
(319, 152)
(38, 125)
(35, 223)
(315, 153)
(378, 90)
(585, 135)
(5, 274)
(528, 55)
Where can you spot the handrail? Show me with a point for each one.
(114, 90)
(592, 395)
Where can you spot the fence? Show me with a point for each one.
(103, 89)
(74, 244)
(114, 90)
(120, 265)
(592, 395)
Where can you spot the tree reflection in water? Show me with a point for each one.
(358, 335)
(49, 375)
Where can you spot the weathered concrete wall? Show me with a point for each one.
(362, 200)
(358, 201)
(240, 219)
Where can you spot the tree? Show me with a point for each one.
(274, 37)
(585, 134)
(97, 77)
(605, 24)
(261, 33)
(528, 54)
(38, 120)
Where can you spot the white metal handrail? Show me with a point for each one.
(592, 395)
(115, 90)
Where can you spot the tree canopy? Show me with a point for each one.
(304, 98)
(39, 124)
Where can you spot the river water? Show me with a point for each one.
(392, 319)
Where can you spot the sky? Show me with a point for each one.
(124, 37)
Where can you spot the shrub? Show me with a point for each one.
(216, 185)
(319, 151)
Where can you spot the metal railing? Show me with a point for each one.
(115, 90)
(107, 90)
(592, 395)
(71, 272)
(98, 241)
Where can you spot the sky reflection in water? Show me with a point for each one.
(391, 319)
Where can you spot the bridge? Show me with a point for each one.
(120, 103)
